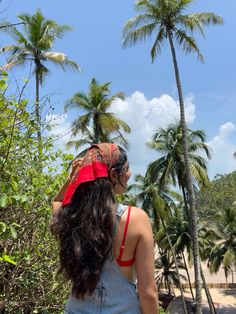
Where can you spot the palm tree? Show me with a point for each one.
(154, 200)
(179, 233)
(166, 271)
(171, 166)
(34, 45)
(224, 250)
(97, 124)
(178, 230)
(166, 19)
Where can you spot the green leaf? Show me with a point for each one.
(14, 185)
(26, 255)
(20, 198)
(24, 198)
(13, 232)
(3, 227)
(3, 201)
(8, 259)
(17, 197)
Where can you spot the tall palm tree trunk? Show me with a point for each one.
(191, 196)
(38, 115)
(187, 214)
(37, 109)
(208, 295)
(96, 128)
(189, 280)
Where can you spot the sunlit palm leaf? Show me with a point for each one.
(59, 58)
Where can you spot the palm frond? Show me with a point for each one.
(208, 18)
(81, 124)
(187, 43)
(137, 22)
(77, 143)
(156, 48)
(107, 102)
(43, 71)
(191, 22)
(59, 58)
(111, 123)
(13, 32)
(60, 30)
(119, 140)
(138, 35)
(15, 49)
(78, 101)
(13, 63)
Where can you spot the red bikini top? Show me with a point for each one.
(118, 260)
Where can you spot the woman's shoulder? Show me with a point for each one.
(138, 212)
(139, 217)
(139, 221)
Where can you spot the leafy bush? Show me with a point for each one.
(28, 253)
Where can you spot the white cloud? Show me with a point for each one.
(145, 117)
(222, 151)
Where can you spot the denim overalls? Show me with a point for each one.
(114, 293)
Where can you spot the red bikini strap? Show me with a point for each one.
(124, 235)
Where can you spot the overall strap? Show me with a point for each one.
(120, 209)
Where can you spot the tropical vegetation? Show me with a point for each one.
(28, 259)
(168, 191)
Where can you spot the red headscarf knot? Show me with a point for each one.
(96, 164)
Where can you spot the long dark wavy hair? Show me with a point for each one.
(85, 230)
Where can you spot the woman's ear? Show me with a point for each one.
(113, 176)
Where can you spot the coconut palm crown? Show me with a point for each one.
(96, 123)
(168, 142)
(164, 18)
(34, 45)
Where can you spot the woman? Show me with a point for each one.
(102, 243)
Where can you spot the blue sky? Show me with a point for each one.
(151, 95)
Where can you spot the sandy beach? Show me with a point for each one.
(221, 297)
(224, 299)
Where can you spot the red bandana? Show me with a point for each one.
(96, 164)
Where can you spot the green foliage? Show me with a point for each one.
(97, 124)
(166, 271)
(220, 194)
(161, 310)
(34, 44)
(217, 204)
(171, 166)
(28, 252)
(165, 19)
(155, 199)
